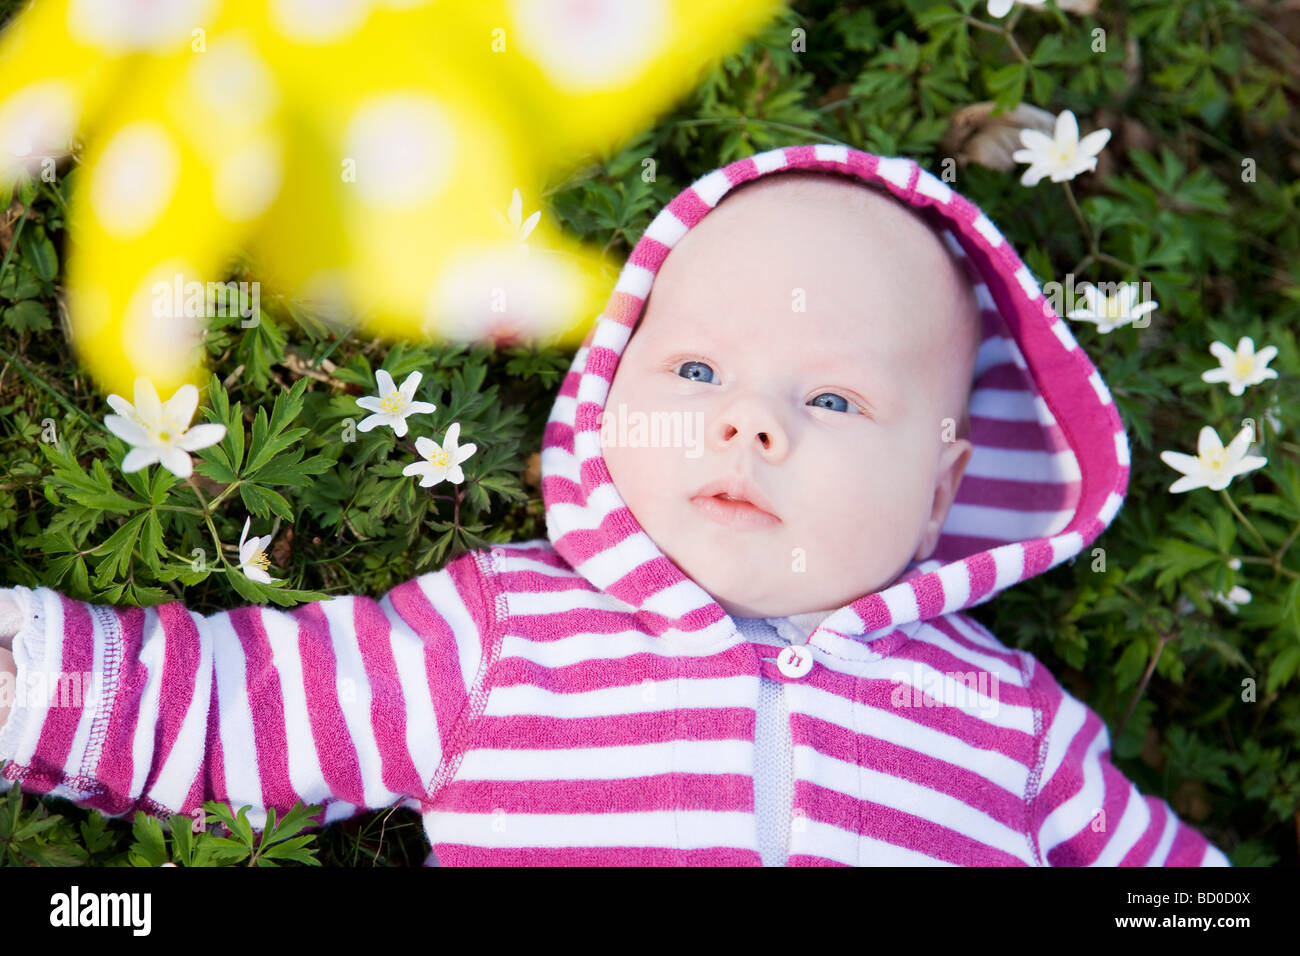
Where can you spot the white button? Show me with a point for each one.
(795, 661)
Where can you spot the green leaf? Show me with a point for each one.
(262, 501)
(39, 253)
(149, 843)
(27, 316)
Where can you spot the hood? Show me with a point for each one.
(1047, 473)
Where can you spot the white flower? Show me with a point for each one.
(1242, 368)
(392, 406)
(1061, 156)
(1111, 312)
(1237, 595)
(1235, 564)
(1000, 8)
(252, 555)
(160, 432)
(1214, 467)
(519, 227)
(440, 462)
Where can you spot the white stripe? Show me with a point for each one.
(1111, 508)
(305, 774)
(1125, 832)
(1003, 524)
(1009, 561)
(770, 160)
(611, 335)
(959, 688)
(355, 699)
(1077, 813)
(1027, 282)
(143, 738)
(1161, 853)
(1063, 333)
(561, 464)
(984, 297)
(901, 601)
(929, 805)
(930, 185)
(896, 170)
(977, 660)
(1058, 467)
(712, 187)
(441, 591)
(955, 577)
(708, 693)
(423, 735)
(550, 602)
(634, 280)
(1069, 720)
(666, 228)
(1099, 387)
(614, 762)
(1065, 546)
(1121, 448)
(238, 750)
(579, 648)
(177, 773)
(1003, 404)
(672, 829)
(990, 232)
(887, 723)
(830, 152)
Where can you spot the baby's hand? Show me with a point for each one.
(10, 620)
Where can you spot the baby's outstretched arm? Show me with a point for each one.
(1084, 812)
(349, 703)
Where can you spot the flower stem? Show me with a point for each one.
(1246, 521)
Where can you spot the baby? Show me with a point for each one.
(753, 653)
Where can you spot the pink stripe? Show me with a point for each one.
(266, 704)
(116, 763)
(904, 763)
(60, 727)
(897, 828)
(458, 854)
(726, 793)
(447, 688)
(335, 748)
(387, 704)
(1141, 851)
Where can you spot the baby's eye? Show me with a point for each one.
(696, 371)
(833, 406)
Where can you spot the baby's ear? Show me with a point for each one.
(952, 465)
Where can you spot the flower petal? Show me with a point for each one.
(201, 436)
(128, 430)
(147, 405)
(180, 408)
(177, 462)
(386, 386)
(411, 384)
(138, 458)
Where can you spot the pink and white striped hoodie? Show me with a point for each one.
(579, 700)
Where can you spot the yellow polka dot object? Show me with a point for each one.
(375, 160)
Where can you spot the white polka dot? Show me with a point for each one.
(247, 179)
(160, 334)
(232, 80)
(539, 294)
(404, 147)
(133, 179)
(37, 120)
(318, 21)
(122, 26)
(588, 45)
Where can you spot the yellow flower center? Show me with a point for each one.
(1215, 461)
(439, 458)
(260, 560)
(1243, 366)
(1063, 154)
(392, 404)
(1114, 308)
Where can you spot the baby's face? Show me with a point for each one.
(806, 349)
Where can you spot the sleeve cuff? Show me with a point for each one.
(29, 657)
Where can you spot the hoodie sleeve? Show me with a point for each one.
(1083, 811)
(350, 703)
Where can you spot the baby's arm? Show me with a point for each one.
(1084, 812)
(349, 703)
